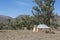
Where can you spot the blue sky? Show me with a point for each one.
(13, 8)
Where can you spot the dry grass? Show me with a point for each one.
(28, 35)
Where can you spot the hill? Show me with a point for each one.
(5, 18)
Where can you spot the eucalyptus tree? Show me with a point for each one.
(44, 11)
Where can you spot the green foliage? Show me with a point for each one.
(25, 21)
(1, 25)
(43, 12)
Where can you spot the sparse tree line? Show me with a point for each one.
(42, 14)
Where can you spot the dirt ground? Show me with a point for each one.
(28, 35)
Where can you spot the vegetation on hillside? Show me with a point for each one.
(42, 14)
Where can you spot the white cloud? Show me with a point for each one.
(22, 3)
